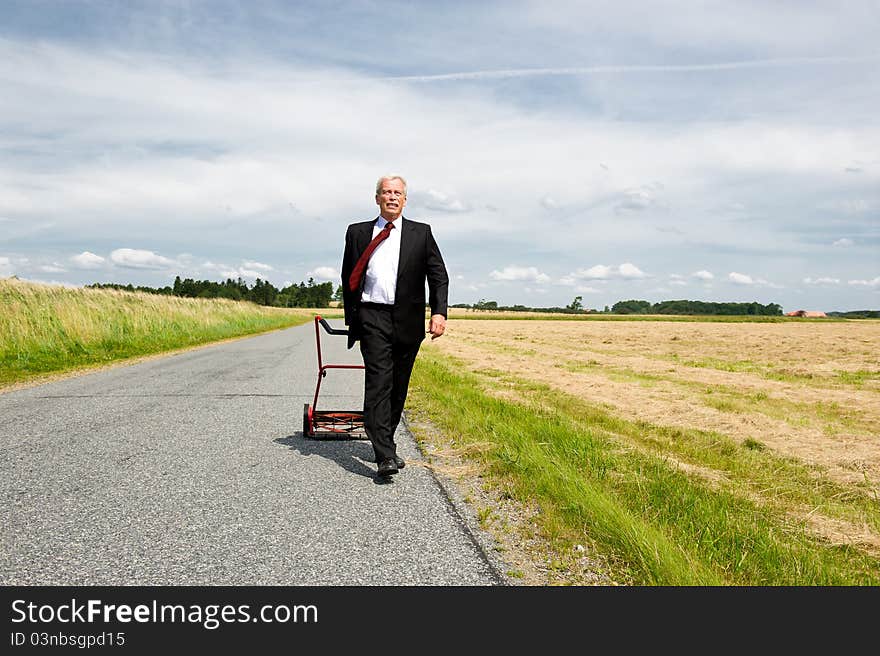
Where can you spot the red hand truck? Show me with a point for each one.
(338, 424)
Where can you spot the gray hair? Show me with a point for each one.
(389, 177)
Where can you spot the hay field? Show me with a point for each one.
(802, 392)
(807, 390)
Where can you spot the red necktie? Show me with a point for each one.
(354, 280)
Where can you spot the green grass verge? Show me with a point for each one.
(620, 484)
(49, 329)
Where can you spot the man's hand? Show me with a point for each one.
(437, 326)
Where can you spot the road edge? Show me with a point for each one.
(483, 541)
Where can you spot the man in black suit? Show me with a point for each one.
(384, 298)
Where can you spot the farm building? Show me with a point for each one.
(806, 313)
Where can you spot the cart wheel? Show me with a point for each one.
(306, 428)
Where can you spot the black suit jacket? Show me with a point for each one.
(420, 260)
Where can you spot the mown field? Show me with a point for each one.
(50, 329)
(682, 452)
(467, 314)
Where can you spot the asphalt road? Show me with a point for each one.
(191, 469)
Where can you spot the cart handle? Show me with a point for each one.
(332, 331)
(322, 368)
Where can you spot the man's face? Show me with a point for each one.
(391, 199)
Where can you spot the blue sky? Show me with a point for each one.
(720, 151)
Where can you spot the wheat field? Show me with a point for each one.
(46, 329)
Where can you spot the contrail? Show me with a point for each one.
(631, 68)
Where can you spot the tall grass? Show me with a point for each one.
(48, 328)
(639, 492)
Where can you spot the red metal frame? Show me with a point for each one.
(335, 423)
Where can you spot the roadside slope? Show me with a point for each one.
(49, 329)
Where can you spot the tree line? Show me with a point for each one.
(633, 306)
(696, 307)
(262, 292)
(857, 314)
(493, 305)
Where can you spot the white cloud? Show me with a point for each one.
(233, 272)
(703, 275)
(677, 279)
(248, 270)
(866, 283)
(513, 273)
(745, 279)
(822, 281)
(639, 199)
(87, 260)
(843, 242)
(51, 268)
(440, 201)
(597, 272)
(241, 272)
(579, 288)
(630, 271)
(131, 258)
(5, 266)
(741, 278)
(324, 273)
(549, 203)
(627, 271)
(257, 265)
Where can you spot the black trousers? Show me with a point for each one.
(388, 363)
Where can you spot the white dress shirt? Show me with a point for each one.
(380, 279)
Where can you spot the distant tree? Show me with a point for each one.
(576, 305)
(262, 293)
(631, 307)
(312, 295)
(705, 307)
(857, 314)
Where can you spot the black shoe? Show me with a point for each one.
(387, 467)
(400, 462)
